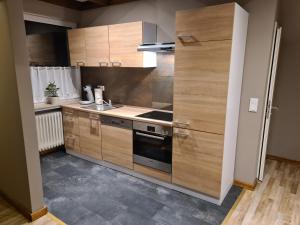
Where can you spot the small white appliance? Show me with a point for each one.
(89, 95)
(99, 95)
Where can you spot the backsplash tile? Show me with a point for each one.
(145, 87)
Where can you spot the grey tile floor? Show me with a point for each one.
(83, 193)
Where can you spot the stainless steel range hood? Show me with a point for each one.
(158, 47)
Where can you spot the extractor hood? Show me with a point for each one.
(158, 47)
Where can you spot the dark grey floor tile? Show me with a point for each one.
(130, 218)
(81, 192)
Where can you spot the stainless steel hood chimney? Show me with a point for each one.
(158, 47)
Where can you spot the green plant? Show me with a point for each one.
(51, 90)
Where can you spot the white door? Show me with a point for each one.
(269, 101)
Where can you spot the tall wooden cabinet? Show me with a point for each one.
(209, 59)
(112, 45)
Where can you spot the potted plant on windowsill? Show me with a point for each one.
(51, 93)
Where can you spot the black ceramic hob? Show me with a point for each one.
(158, 115)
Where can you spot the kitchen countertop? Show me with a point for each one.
(125, 112)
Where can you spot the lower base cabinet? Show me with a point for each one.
(90, 135)
(160, 175)
(197, 161)
(72, 142)
(117, 146)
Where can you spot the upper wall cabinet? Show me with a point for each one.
(97, 46)
(113, 45)
(205, 24)
(77, 47)
(124, 40)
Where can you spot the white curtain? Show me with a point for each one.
(67, 79)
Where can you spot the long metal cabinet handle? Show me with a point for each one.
(150, 136)
(181, 124)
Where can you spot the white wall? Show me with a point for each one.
(258, 52)
(19, 158)
(284, 138)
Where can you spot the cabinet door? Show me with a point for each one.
(200, 85)
(117, 146)
(90, 135)
(97, 46)
(70, 121)
(205, 24)
(197, 161)
(72, 142)
(124, 40)
(76, 39)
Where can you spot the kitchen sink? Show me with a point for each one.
(103, 107)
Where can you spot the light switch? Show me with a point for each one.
(253, 106)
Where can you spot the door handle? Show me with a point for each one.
(181, 124)
(182, 135)
(80, 63)
(150, 136)
(103, 64)
(187, 38)
(116, 64)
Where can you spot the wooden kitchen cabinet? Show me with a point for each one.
(124, 40)
(209, 64)
(90, 135)
(77, 47)
(197, 161)
(113, 45)
(201, 85)
(97, 46)
(71, 130)
(212, 23)
(117, 146)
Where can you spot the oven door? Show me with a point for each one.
(152, 150)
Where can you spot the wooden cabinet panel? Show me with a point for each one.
(72, 142)
(70, 121)
(197, 161)
(201, 86)
(124, 40)
(117, 146)
(77, 46)
(160, 175)
(90, 135)
(97, 46)
(205, 24)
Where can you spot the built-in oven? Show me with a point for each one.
(152, 146)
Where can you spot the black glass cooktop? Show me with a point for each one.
(158, 115)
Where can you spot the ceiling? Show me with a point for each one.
(84, 5)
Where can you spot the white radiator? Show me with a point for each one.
(49, 130)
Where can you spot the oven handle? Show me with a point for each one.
(150, 136)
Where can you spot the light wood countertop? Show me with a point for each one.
(125, 112)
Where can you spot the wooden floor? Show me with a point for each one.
(276, 201)
(10, 216)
